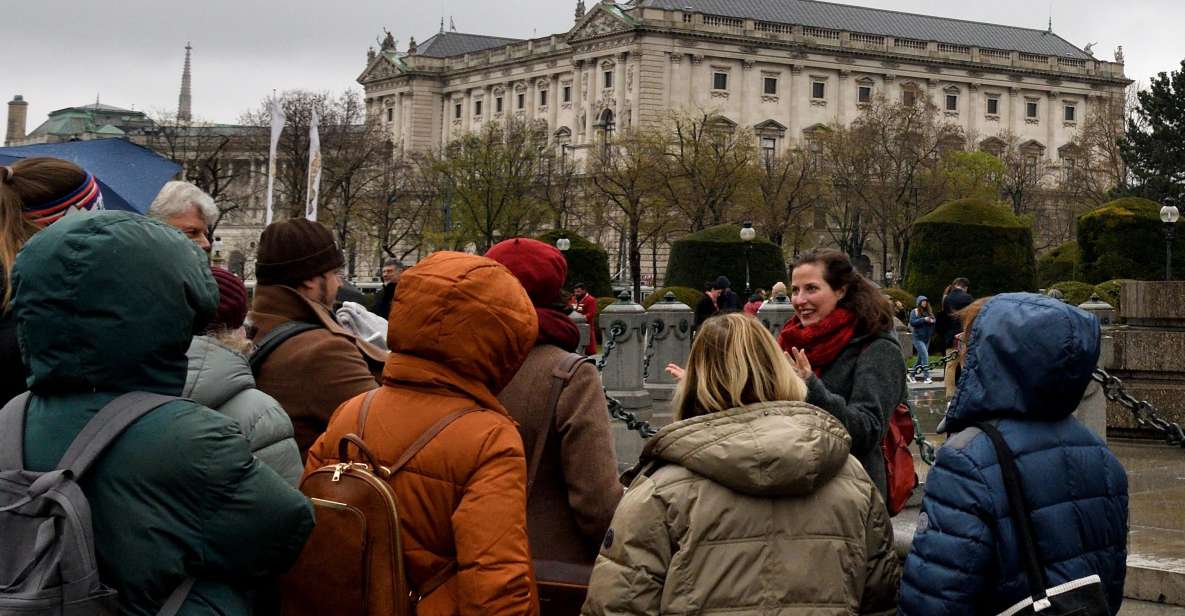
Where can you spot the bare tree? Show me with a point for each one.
(559, 184)
(401, 209)
(1026, 171)
(707, 164)
(789, 187)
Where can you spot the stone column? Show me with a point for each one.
(670, 325)
(1051, 123)
(1149, 350)
(619, 93)
(624, 322)
(1013, 117)
(774, 313)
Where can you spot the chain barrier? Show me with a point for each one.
(911, 373)
(1145, 414)
(652, 330)
(616, 409)
(926, 449)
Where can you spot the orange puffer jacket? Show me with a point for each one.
(459, 330)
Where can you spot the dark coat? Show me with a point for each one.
(107, 305)
(861, 387)
(1029, 360)
(705, 309)
(12, 368)
(729, 301)
(955, 300)
(383, 299)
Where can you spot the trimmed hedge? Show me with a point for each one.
(687, 295)
(719, 251)
(1125, 239)
(1062, 263)
(587, 263)
(602, 302)
(973, 238)
(1110, 291)
(1074, 292)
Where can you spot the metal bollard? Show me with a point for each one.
(582, 325)
(774, 313)
(668, 342)
(624, 326)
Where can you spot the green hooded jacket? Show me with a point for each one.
(107, 303)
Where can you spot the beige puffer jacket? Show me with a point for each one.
(757, 510)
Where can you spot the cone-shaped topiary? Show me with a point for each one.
(1060, 264)
(975, 239)
(686, 295)
(587, 263)
(719, 251)
(1125, 239)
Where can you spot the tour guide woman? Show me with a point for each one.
(842, 343)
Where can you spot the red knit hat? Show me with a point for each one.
(232, 300)
(540, 267)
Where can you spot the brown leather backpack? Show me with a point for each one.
(353, 562)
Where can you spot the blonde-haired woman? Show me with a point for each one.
(749, 502)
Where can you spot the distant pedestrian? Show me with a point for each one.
(726, 299)
(1026, 363)
(956, 298)
(220, 378)
(586, 304)
(188, 209)
(392, 270)
(842, 341)
(34, 192)
(778, 290)
(749, 503)
(921, 324)
(106, 305)
(706, 307)
(755, 302)
(312, 372)
(558, 401)
(462, 497)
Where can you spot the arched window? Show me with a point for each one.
(608, 124)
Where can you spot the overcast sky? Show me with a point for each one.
(62, 53)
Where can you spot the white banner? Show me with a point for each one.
(314, 187)
(278, 119)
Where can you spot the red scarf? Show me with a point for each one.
(823, 341)
(557, 328)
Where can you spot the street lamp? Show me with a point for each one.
(1169, 216)
(747, 235)
(563, 243)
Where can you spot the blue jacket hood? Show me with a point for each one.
(921, 298)
(1028, 356)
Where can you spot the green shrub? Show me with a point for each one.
(1074, 292)
(587, 263)
(1110, 291)
(907, 299)
(1125, 239)
(604, 301)
(687, 295)
(1059, 264)
(719, 251)
(973, 238)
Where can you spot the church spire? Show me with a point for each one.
(184, 103)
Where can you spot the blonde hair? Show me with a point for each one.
(734, 361)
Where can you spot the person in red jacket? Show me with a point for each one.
(586, 304)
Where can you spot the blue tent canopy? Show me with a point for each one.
(129, 175)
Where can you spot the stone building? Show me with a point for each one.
(781, 68)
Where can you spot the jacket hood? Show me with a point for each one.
(921, 298)
(1028, 356)
(465, 313)
(216, 374)
(109, 301)
(765, 449)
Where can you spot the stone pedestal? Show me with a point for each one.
(1148, 351)
(670, 326)
(624, 322)
(582, 325)
(774, 313)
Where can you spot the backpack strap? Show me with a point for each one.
(173, 604)
(12, 434)
(274, 338)
(106, 426)
(560, 377)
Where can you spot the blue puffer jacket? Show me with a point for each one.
(1029, 360)
(921, 328)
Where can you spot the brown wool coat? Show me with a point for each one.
(312, 373)
(460, 328)
(576, 488)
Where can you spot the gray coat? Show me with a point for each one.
(861, 388)
(221, 379)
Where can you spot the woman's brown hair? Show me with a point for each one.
(29, 181)
(874, 313)
(734, 361)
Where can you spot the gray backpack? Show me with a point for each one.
(48, 566)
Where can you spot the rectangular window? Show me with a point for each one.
(1031, 109)
(477, 108)
(909, 98)
(952, 102)
(769, 145)
(864, 94)
(608, 79)
(542, 98)
(818, 90)
(1068, 165)
(771, 86)
(719, 81)
(1071, 114)
(457, 111)
(522, 101)
(993, 106)
(390, 114)
(567, 94)
(498, 104)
